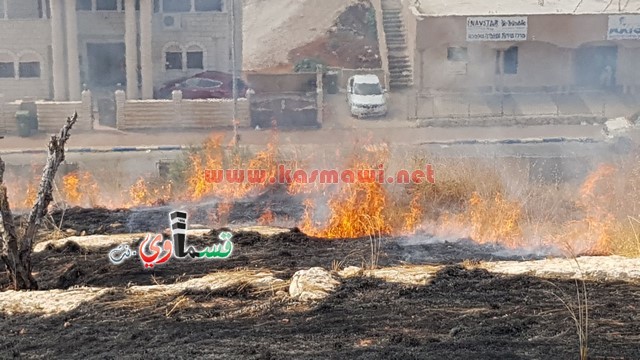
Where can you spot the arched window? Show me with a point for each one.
(173, 57)
(195, 57)
(7, 65)
(29, 65)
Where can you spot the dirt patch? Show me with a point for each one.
(351, 43)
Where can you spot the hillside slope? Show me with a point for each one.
(272, 28)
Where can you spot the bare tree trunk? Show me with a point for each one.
(14, 252)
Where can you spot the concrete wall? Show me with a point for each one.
(410, 21)
(8, 116)
(546, 59)
(179, 113)
(51, 115)
(382, 41)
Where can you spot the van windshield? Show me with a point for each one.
(367, 89)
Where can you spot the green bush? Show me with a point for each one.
(309, 65)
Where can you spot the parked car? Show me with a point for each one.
(205, 85)
(366, 96)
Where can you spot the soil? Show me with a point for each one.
(351, 43)
(461, 314)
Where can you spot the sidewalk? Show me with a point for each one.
(110, 139)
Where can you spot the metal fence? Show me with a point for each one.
(522, 105)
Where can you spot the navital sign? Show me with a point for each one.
(624, 27)
(497, 28)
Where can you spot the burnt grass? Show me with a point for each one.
(461, 314)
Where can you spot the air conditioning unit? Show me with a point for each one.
(171, 22)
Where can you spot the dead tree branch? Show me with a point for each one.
(17, 253)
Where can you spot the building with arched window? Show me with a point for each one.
(50, 49)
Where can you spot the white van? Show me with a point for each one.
(366, 96)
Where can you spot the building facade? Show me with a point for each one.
(524, 45)
(52, 49)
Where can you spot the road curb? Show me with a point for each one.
(512, 141)
(121, 149)
(100, 150)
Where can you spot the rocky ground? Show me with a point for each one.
(426, 299)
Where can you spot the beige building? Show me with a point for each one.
(50, 49)
(523, 45)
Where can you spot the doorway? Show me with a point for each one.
(595, 66)
(106, 64)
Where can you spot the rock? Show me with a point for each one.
(71, 232)
(313, 284)
(115, 225)
(67, 324)
(83, 233)
(351, 271)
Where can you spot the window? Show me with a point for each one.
(1, 9)
(173, 60)
(193, 82)
(195, 60)
(457, 54)
(208, 5)
(176, 5)
(156, 6)
(20, 9)
(207, 83)
(84, 5)
(7, 70)
(29, 69)
(511, 60)
(367, 89)
(108, 5)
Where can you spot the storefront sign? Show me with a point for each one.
(497, 28)
(624, 27)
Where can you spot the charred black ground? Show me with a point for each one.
(461, 314)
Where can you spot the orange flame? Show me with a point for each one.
(266, 218)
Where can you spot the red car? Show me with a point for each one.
(205, 85)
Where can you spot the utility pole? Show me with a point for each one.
(234, 73)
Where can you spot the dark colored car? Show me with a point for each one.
(205, 85)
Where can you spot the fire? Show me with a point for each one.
(79, 188)
(599, 220)
(145, 193)
(359, 208)
(414, 217)
(495, 220)
(31, 195)
(211, 159)
(266, 218)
